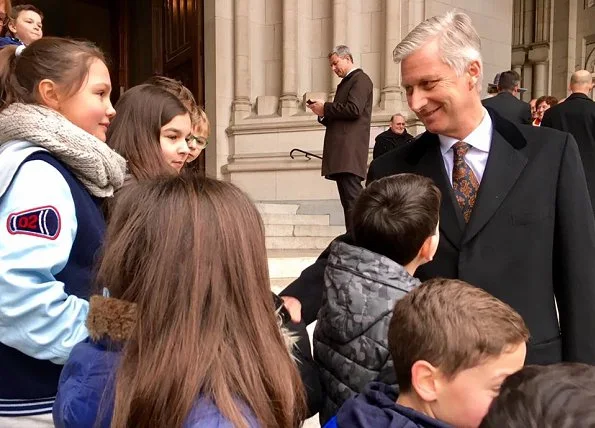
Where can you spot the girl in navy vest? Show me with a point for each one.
(185, 334)
(54, 170)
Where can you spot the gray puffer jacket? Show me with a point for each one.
(350, 339)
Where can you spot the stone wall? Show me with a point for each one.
(264, 58)
(551, 40)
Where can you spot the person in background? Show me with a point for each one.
(577, 116)
(151, 131)
(542, 104)
(24, 26)
(533, 105)
(347, 120)
(194, 347)
(198, 141)
(506, 103)
(55, 172)
(396, 135)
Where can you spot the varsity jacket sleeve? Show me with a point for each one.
(37, 230)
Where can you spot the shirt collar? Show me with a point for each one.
(480, 138)
(350, 71)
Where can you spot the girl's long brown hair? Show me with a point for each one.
(190, 252)
(134, 132)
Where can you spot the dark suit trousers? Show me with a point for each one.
(350, 186)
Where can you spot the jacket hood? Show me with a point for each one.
(362, 286)
(376, 407)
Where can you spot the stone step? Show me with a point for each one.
(267, 208)
(279, 229)
(293, 219)
(297, 242)
(303, 230)
(288, 267)
(279, 284)
(315, 230)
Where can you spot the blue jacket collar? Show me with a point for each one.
(377, 407)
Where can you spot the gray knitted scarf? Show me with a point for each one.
(99, 168)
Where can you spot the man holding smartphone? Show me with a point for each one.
(347, 119)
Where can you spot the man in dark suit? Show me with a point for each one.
(577, 116)
(347, 120)
(506, 104)
(515, 217)
(395, 136)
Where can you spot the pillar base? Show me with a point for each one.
(392, 100)
(241, 109)
(288, 105)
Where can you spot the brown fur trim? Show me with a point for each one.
(110, 317)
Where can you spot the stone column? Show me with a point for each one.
(241, 106)
(529, 22)
(527, 82)
(339, 36)
(539, 79)
(391, 96)
(289, 99)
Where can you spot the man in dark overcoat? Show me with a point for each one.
(347, 120)
(577, 116)
(515, 218)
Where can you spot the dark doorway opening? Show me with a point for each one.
(141, 38)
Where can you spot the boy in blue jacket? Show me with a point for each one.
(452, 346)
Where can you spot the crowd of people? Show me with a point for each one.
(135, 292)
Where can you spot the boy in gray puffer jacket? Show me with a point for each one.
(395, 230)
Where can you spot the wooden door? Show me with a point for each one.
(178, 45)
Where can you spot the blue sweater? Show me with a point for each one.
(88, 377)
(51, 230)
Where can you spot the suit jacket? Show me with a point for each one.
(577, 116)
(388, 140)
(530, 238)
(347, 120)
(510, 107)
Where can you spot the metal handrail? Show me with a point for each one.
(306, 154)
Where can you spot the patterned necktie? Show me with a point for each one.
(464, 182)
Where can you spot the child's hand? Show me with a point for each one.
(294, 307)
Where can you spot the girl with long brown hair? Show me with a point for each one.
(188, 336)
(200, 122)
(151, 131)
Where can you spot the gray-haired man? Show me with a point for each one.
(347, 120)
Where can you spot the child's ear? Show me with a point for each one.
(423, 380)
(428, 249)
(48, 94)
(12, 27)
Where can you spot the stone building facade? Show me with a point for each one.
(552, 39)
(264, 58)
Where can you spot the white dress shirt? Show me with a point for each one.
(480, 141)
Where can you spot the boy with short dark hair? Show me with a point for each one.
(395, 230)
(556, 396)
(452, 346)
